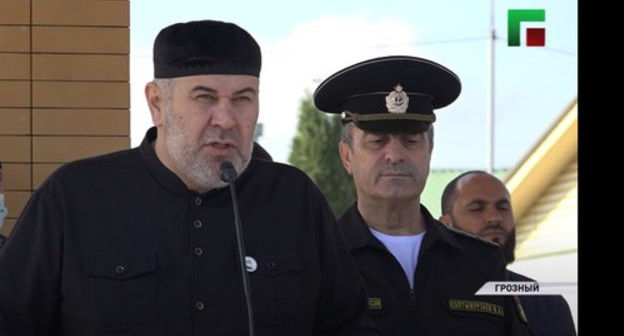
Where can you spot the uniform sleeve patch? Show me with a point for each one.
(475, 306)
(374, 303)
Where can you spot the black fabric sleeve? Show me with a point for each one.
(30, 266)
(516, 318)
(341, 309)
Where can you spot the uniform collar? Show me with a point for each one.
(358, 235)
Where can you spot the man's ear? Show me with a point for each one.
(155, 103)
(345, 155)
(446, 220)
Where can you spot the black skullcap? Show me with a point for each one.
(389, 94)
(204, 48)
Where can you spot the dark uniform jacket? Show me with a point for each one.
(117, 245)
(451, 267)
(548, 315)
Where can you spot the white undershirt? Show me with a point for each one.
(405, 249)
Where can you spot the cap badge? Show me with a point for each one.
(397, 100)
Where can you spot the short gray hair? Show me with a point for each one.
(345, 134)
(166, 86)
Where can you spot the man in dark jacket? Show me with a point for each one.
(420, 276)
(479, 203)
(143, 242)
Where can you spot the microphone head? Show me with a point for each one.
(228, 172)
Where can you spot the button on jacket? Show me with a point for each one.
(451, 267)
(117, 245)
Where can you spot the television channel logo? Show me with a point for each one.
(535, 37)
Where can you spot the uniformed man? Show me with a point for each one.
(142, 241)
(420, 276)
(478, 202)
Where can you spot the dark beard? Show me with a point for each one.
(509, 247)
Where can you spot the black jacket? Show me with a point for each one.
(452, 266)
(117, 245)
(548, 315)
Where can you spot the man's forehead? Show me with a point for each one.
(217, 78)
(373, 133)
(218, 83)
(482, 186)
(481, 199)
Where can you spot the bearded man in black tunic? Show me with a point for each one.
(142, 241)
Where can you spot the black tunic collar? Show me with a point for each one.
(357, 233)
(170, 181)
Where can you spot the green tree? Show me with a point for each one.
(315, 151)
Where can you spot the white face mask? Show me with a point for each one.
(3, 210)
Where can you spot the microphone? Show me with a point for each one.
(228, 174)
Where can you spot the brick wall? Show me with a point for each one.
(64, 88)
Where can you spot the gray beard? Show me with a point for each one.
(191, 164)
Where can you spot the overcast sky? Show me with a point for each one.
(304, 43)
